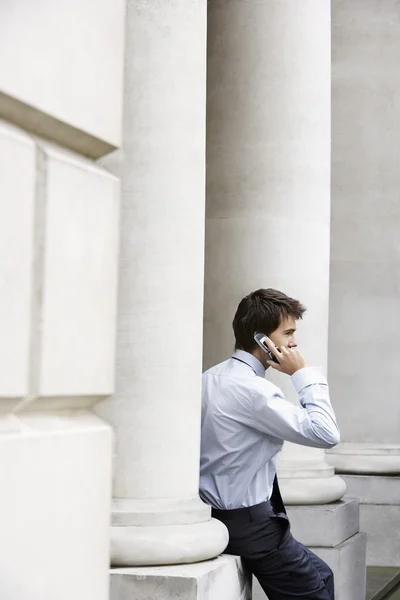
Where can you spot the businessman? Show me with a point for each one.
(245, 420)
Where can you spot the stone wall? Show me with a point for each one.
(61, 108)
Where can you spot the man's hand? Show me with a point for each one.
(290, 359)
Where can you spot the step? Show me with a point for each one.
(383, 583)
(325, 525)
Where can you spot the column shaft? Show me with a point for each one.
(364, 325)
(158, 517)
(268, 186)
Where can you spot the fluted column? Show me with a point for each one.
(268, 187)
(158, 517)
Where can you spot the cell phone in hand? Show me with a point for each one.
(260, 338)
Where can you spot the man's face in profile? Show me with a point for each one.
(284, 335)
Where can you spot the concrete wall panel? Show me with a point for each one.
(61, 63)
(81, 206)
(17, 193)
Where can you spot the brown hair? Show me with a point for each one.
(261, 312)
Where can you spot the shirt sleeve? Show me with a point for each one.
(311, 424)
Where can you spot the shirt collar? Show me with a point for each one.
(251, 361)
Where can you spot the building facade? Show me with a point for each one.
(159, 160)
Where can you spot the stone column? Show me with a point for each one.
(268, 187)
(157, 516)
(364, 351)
(365, 325)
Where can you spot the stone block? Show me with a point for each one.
(17, 185)
(373, 489)
(348, 563)
(62, 71)
(55, 478)
(78, 223)
(220, 579)
(381, 523)
(325, 525)
(379, 498)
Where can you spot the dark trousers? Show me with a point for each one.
(285, 568)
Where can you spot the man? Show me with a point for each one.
(245, 420)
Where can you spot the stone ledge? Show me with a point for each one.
(220, 579)
(325, 525)
(48, 127)
(373, 489)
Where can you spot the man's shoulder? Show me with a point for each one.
(228, 369)
(217, 369)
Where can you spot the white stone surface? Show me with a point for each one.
(60, 78)
(325, 525)
(159, 511)
(364, 308)
(156, 408)
(62, 70)
(17, 196)
(373, 489)
(80, 209)
(55, 478)
(219, 579)
(370, 458)
(381, 523)
(347, 561)
(268, 186)
(167, 544)
(379, 516)
(312, 487)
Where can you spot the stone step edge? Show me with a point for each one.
(391, 584)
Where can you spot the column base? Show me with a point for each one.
(368, 458)
(311, 490)
(221, 579)
(348, 563)
(326, 525)
(379, 516)
(159, 511)
(305, 477)
(167, 544)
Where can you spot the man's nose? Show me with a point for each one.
(293, 344)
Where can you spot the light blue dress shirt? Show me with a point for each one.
(245, 420)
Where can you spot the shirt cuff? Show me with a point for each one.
(308, 376)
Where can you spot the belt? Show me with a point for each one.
(271, 507)
(248, 513)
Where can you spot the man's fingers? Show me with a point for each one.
(274, 365)
(284, 350)
(272, 347)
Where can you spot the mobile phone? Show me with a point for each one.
(260, 339)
